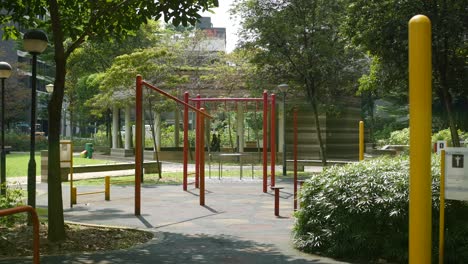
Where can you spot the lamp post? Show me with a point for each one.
(283, 88)
(35, 42)
(5, 72)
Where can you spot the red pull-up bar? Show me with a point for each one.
(139, 133)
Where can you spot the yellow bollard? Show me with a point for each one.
(73, 195)
(107, 188)
(420, 97)
(361, 140)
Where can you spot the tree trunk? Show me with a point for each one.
(318, 131)
(56, 227)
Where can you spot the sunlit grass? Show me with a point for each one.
(17, 163)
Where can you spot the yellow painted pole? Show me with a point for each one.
(442, 207)
(420, 101)
(107, 188)
(361, 140)
(73, 195)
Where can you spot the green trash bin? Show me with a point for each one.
(89, 150)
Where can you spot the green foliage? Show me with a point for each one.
(22, 142)
(401, 137)
(360, 211)
(13, 198)
(445, 135)
(398, 137)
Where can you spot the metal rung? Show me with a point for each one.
(86, 193)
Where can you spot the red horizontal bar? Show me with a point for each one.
(225, 99)
(175, 99)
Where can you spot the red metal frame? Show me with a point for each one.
(295, 157)
(198, 100)
(273, 139)
(186, 147)
(35, 222)
(139, 132)
(138, 143)
(197, 146)
(201, 146)
(265, 141)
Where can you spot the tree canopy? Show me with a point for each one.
(299, 41)
(69, 24)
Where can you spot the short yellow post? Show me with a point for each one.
(361, 140)
(73, 195)
(442, 207)
(420, 97)
(107, 188)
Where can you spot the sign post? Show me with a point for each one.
(453, 185)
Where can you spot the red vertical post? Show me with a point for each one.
(186, 146)
(295, 157)
(265, 140)
(138, 143)
(273, 139)
(202, 158)
(277, 191)
(197, 145)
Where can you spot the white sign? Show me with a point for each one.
(440, 145)
(456, 173)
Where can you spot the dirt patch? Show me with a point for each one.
(16, 241)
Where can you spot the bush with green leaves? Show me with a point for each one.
(397, 137)
(13, 198)
(447, 136)
(22, 142)
(360, 211)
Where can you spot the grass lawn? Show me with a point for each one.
(17, 163)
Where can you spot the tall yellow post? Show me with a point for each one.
(420, 101)
(361, 140)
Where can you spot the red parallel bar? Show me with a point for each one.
(202, 158)
(295, 157)
(138, 143)
(197, 146)
(273, 139)
(174, 98)
(186, 146)
(225, 99)
(265, 141)
(35, 222)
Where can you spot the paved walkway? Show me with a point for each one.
(237, 224)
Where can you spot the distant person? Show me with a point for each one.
(215, 143)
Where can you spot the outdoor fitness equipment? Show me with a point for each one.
(139, 136)
(200, 135)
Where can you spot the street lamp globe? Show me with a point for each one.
(49, 88)
(283, 87)
(5, 70)
(35, 41)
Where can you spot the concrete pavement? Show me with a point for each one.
(237, 224)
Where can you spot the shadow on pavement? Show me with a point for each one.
(182, 248)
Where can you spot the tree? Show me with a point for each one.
(381, 27)
(72, 23)
(299, 41)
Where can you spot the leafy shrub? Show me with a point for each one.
(22, 142)
(360, 211)
(13, 198)
(445, 135)
(397, 137)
